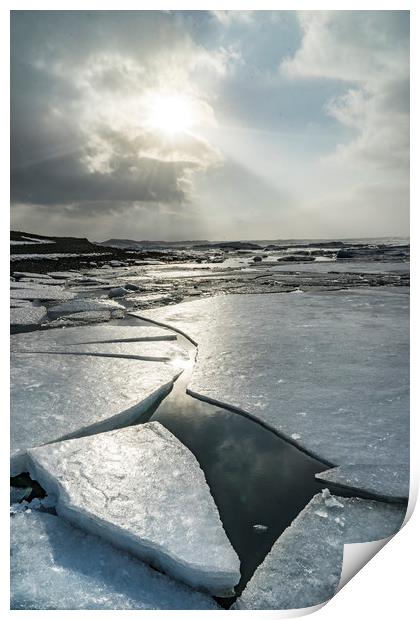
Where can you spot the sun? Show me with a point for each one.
(170, 114)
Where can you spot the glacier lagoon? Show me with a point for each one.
(245, 463)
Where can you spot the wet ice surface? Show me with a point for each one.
(328, 370)
(143, 343)
(259, 481)
(304, 566)
(344, 267)
(51, 339)
(388, 482)
(148, 497)
(57, 566)
(55, 396)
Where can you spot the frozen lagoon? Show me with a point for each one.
(329, 371)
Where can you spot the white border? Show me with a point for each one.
(387, 586)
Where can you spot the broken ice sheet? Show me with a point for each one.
(390, 482)
(57, 566)
(333, 355)
(52, 339)
(55, 396)
(304, 565)
(83, 305)
(148, 496)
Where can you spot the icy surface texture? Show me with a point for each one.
(56, 396)
(329, 370)
(53, 339)
(83, 305)
(56, 566)
(304, 565)
(148, 496)
(388, 482)
(27, 316)
(44, 293)
(143, 343)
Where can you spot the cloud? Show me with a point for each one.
(370, 51)
(80, 109)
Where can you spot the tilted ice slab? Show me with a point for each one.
(328, 370)
(57, 566)
(148, 496)
(386, 482)
(44, 293)
(60, 396)
(27, 316)
(304, 565)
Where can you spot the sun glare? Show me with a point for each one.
(171, 114)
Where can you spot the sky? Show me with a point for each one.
(210, 125)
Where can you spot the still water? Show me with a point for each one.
(259, 481)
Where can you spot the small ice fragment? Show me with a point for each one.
(329, 500)
(296, 436)
(260, 528)
(321, 513)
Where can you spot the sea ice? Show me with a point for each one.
(41, 292)
(61, 396)
(27, 316)
(342, 357)
(386, 482)
(57, 566)
(304, 565)
(148, 496)
(83, 305)
(52, 340)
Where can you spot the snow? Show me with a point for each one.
(27, 316)
(340, 357)
(57, 566)
(30, 241)
(387, 482)
(304, 565)
(83, 305)
(148, 496)
(56, 396)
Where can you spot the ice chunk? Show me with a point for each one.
(57, 566)
(342, 356)
(384, 481)
(148, 496)
(41, 292)
(304, 565)
(56, 396)
(27, 316)
(83, 305)
(17, 494)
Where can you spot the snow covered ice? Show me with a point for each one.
(304, 565)
(386, 482)
(149, 497)
(55, 396)
(330, 369)
(57, 566)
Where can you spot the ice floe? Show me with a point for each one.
(57, 566)
(341, 357)
(83, 305)
(386, 482)
(26, 316)
(52, 340)
(149, 497)
(41, 292)
(304, 565)
(55, 396)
